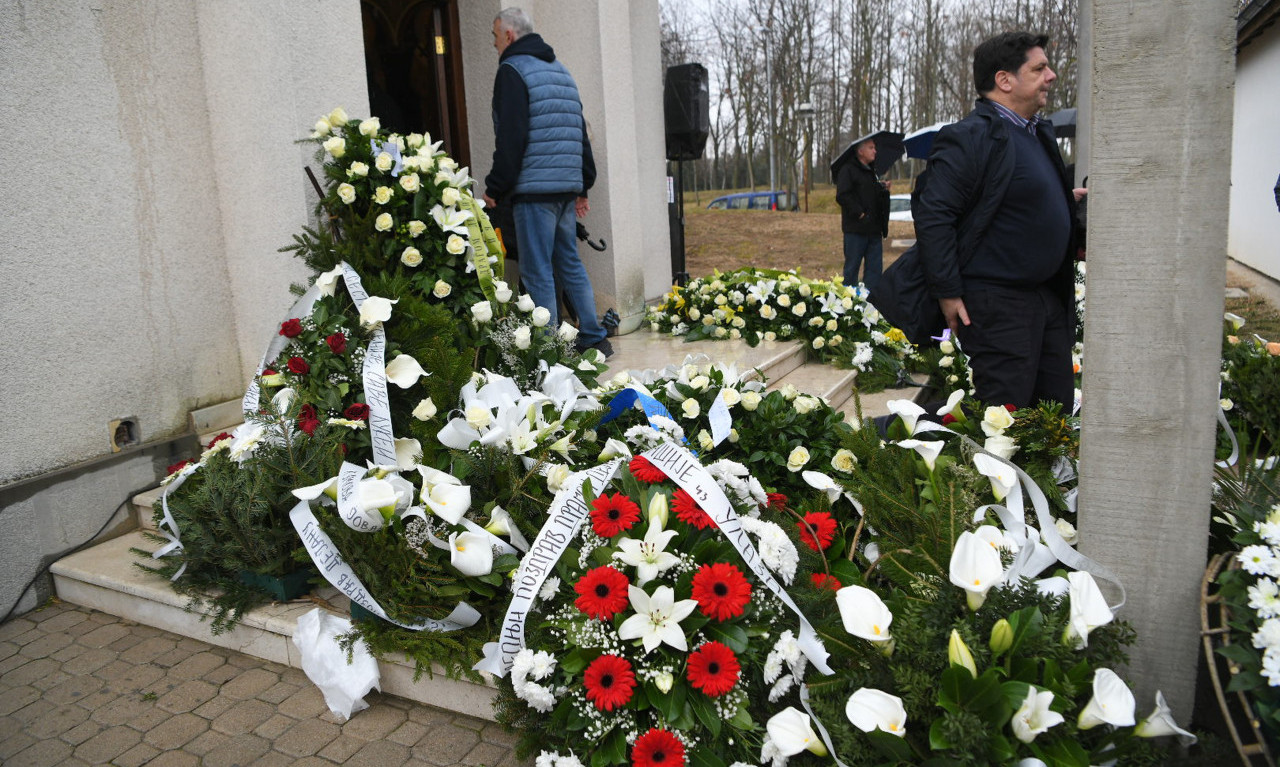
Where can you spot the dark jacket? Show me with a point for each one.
(864, 202)
(512, 129)
(960, 192)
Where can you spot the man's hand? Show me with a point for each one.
(489, 203)
(954, 312)
(1079, 193)
(581, 206)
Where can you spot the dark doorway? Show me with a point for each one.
(414, 66)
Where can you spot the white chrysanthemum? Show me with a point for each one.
(549, 589)
(1268, 636)
(1264, 598)
(1271, 666)
(1269, 531)
(781, 688)
(1257, 559)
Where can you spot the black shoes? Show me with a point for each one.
(603, 346)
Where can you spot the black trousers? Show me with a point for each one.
(1019, 346)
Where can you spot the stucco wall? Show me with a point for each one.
(1254, 235)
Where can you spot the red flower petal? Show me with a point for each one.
(644, 470)
(602, 593)
(821, 523)
(721, 591)
(714, 669)
(611, 515)
(657, 748)
(610, 681)
(825, 581)
(688, 511)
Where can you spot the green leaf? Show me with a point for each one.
(706, 713)
(732, 636)
(1065, 753)
(614, 747)
(1239, 653)
(705, 757)
(1026, 623)
(1245, 681)
(937, 740)
(891, 745)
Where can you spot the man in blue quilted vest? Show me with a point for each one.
(542, 165)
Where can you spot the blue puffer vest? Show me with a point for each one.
(553, 157)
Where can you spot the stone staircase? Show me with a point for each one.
(105, 577)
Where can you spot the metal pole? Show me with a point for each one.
(768, 71)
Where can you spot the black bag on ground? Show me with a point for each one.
(902, 296)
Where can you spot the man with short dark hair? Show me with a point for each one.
(864, 215)
(994, 225)
(542, 164)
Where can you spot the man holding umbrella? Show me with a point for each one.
(864, 213)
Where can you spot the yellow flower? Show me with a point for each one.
(896, 336)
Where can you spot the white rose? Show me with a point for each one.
(541, 316)
(383, 222)
(1066, 530)
(384, 161)
(784, 300)
(721, 300)
(525, 303)
(456, 245)
(789, 392)
(832, 325)
(338, 117)
(836, 340)
(733, 436)
(946, 362)
(370, 127)
(819, 342)
(449, 164)
(411, 257)
(750, 400)
(699, 383)
(691, 408)
(719, 332)
(323, 127)
(844, 461)
(846, 302)
(346, 193)
(567, 332)
(482, 311)
(995, 420)
(523, 337)
(798, 458)
(768, 312)
(416, 228)
(731, 397)
(336, 146)
(806, 291)
(382, 195)
(805, 404)
(358, 169)
(450, 196)
(425, 410)
(1001, 446)
(799, 309)
(441, 289)
(704, 440)
(694, 314)
(409, 182)
(413, 140)
(501, 291)
(947, 347)
(557, 475)
(769, 335)
(478, 416)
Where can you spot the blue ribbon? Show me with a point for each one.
(626, 398)
(391, 148)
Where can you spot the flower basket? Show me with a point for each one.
(281, 587)
(1215, 632)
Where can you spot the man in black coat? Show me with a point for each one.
(994, 226)
(864, 215)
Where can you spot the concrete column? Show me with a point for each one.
(1162, 74)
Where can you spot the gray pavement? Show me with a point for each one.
(80, 687)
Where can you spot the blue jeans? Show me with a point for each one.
(547, 235)
(860, 247)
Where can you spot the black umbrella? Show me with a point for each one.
(1064, 123)
(918, 142)
(888, 151)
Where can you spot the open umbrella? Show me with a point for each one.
(888, 151)
(918, 142)
(1064, 123)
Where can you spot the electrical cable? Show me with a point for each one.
(47, 561)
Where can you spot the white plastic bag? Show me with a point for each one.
(344, 684)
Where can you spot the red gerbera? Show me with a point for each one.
(602, 592)
(644, 470)
(721, 591)
(713, 668)
(657, 748)
(777, 501)
(689, 512)
(337, 343)
(611, 515)
(820, 523)
(299, 365)
(825, 581)
(291, 328)
(609, 681)
(357, 412)
(177, 467)
(307, 420)
(221, 436)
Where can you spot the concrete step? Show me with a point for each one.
(814, 378)
(104, 578)
(877, 404)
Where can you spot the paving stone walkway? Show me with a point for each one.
(80, 687)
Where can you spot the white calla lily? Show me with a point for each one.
(657, 618)
(404, 371)
(376, 309)
(283, 399)
(870, 709)
(864, 614)
(328, 281)
(791, 732)
(1161, 723)
(929, 451)
(1112, 702)
(648, 556)
(1034, 715)
(908, 411)
(329, 487)
(975, 567)
(470, 553)
(501, 523)
(1002, 476)
(444, 494)
(1089, 609)
(408, 451)
(953, 401)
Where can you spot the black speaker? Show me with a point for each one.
(686, 102)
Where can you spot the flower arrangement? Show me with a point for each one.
(834, 321)
(1250, 374)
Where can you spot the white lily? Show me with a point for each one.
(657, 618)
(975, 567)
(1089, 608)
(1034, 715)
(444, 494)
(870, 709)
(928, 450)
(408, 451)
(375, 501)
(1161, 723)
(376, 309)
(1112, 702)
(451, 219)
(404, 371)
(908, 411)
(329, 488)
(864, 614)
(952, 402)
(470, 553)
(647, 556)
(791, 733)
(501, 523)
(1000, 473)
(328, 282)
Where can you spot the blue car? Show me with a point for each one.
(776, 200)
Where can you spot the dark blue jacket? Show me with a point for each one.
(541, 146)
(960, 192)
